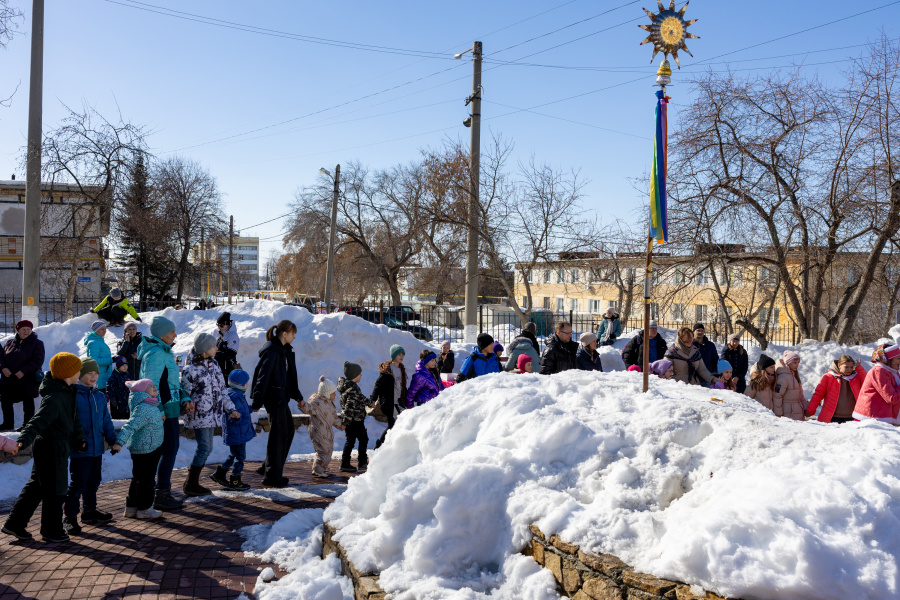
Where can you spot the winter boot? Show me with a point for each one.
(221, 476)
(192, 485)
(94, 517)
(148, 513)
(362, 466)
(236, 484)
(165, 501)
(20, 534)
(348, 468)
(71, 526)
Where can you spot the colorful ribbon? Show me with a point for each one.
(659, 219)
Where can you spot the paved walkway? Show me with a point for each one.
(191, 553)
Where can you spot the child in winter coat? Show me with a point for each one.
(237, 431)
(587, 358)
(762, 384)
(610, 328)
(86, 467)
(837, 391)
(202, 380)
(724, 379)
(116, 390)
(879, 397)
(788, 388)
(390, 391)
(96, 347)
(143, 434)
(322, 418)
(664, 369)
(424, 386)
(53, 429)
(353, 415)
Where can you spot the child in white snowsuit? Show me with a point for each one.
(322, 417)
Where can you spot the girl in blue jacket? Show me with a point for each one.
(86, 467)
(143, 434)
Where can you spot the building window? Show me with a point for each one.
(525, 302)
(735, 276)
(595, 306)
(679, 276)
(654, 310)
(596, 275)
(764, 317)
(560, 276)
(573, 305)
(560, 304)
(702, 278)
(547, 301)
(700, 313)
(766, 276)
(575, 275)
(547, 276)
(630, 275)
(529, 276)
(656, 278)
(678, 312)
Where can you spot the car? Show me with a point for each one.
(394, 322)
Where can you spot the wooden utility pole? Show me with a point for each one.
(230, 254)
(202, 257)
(474, 121)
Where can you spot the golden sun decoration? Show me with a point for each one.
(668, 30)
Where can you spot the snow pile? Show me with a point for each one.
(294, 543)
(723, 495)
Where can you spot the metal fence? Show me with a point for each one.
(503, 323)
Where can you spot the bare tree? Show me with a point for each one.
(191, 202)
(90, 155)
(9, 27)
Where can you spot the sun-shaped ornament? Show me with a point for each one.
(668, 30)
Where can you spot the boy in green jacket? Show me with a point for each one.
(55, 430)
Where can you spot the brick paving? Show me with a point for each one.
(191, 553)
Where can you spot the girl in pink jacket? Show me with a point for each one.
(879, 397)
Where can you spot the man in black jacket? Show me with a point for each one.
(707, 349)
(633, 353)
(559, 355)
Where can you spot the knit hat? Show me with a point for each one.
(484, 340)
(64, 365)
(160, 326)
(789, 356)
(326, 387)
(24, 323)
(224, 319)
(120, 360)
(530, 327)
(659, 367)
(587, 338)
(523, 360)
(765, 361)
(140, 385)
(498, 348)
(115, 293)
(653, 324)
(634, 368)
(699, 326)
(884, 353)
(203, 342)
(351, 370)
(129, 325)
(97, 325)
(734, 336)
(89, 365)
(238, 379)
(446, 343)
(395, 350)
(723, 366)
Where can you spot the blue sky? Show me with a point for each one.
(202, 89)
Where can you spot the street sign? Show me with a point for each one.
(84, 280)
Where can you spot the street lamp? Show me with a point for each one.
(329, 271)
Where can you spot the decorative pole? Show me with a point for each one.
(667, 33)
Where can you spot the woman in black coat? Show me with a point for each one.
(274, 385)
(131, 339)
(20, 368)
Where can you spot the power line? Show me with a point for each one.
(516, 109)
(169, 12)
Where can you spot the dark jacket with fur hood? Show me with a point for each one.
(384, 388)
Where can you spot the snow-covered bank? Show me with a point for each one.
(722, 495)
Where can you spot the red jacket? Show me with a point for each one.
(879, 397)
(829, 389)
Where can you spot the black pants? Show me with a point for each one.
(12, 390)
(741, 385)
(281, 434)
(112, 314)
(86, 473)
(390, 421)
(356, 430)
(40, 488)
(143, 468)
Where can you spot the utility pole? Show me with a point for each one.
(474, 121)
(230, 254)
(202, 256)
(329, 271)
(31, 259)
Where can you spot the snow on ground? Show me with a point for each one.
(721, 495)
(294, 542)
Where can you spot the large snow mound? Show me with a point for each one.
(723, 495)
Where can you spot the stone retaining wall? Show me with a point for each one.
(365, 585)
(586, 576)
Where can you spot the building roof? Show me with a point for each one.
(46, 186)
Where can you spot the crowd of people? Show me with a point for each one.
(144, 384)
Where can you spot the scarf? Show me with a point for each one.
(151, 401)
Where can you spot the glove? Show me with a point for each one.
(81, 446)
(139, 320)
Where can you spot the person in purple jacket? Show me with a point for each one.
(423, 386)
